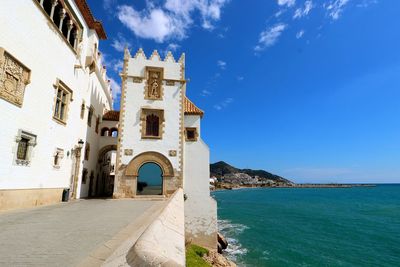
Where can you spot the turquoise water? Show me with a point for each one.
(312, 227)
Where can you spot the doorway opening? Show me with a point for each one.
(103, 185)
(150, 179)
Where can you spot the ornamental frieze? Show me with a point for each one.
(14, 76)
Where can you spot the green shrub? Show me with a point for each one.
(194, 256)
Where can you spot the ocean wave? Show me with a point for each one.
(228, 227)
(231, 231)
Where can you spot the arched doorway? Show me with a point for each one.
(104, 185)
(150, 180)
(139, 166)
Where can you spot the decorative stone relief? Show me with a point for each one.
(154, 83)
(128, 152)
(172, 153)
(137, 79)
(14, 76)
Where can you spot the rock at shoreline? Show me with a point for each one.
(222, 241)
(217, 260)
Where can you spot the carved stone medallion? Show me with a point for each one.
(14, 76)
(128, 152)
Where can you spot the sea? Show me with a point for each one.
(358, 226)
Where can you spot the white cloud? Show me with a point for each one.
(217, 107)
(205, 93)
(116, 88)
(302, 12)
(227, 101)
(120, 43)
(170, 21)
(221, 64)
(300, 34)
(366, 3)
(112, 64)
(288, 3)
(117, 66)
(270, 36)
(107, 4)
(335, 8)
(173, 47)
(279, 13)
(152, 24)
(224, 103)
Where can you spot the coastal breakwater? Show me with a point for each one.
(232, 186)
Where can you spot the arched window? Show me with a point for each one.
(72, 36)
(57, 16)
(104, 131)
(152, 125)
(64, 27)
(114, 132)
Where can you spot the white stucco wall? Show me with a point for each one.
(28, 35)
(135, 101)
(200, 207)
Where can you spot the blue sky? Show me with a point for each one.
(308, 90)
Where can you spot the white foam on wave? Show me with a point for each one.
(231, 231)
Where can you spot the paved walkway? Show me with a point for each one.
(65, 234)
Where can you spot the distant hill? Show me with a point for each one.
(221, 168)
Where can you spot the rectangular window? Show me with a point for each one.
(152, 123)
(84, 176)
(97, 124)
(63, 97)
(25, 142)
(191, 134)
(61, 104)
(83, 110)
(90, 116)
(57, 157)
(87, 151)
(22, 149)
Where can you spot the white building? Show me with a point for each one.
(61, 132)
(159, 146)
(53, 93)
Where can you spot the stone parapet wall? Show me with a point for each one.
(162, 243)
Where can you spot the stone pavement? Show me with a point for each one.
(65, 234)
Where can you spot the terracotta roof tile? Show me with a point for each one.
(111, 115)
(191, 109)
(90, 20)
